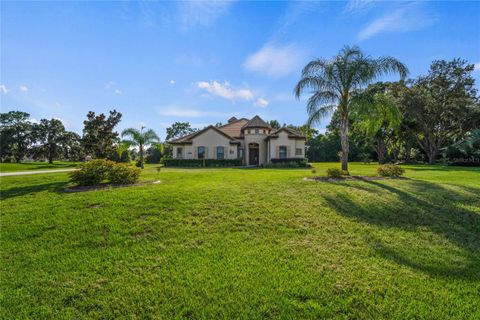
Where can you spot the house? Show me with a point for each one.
(254, 141)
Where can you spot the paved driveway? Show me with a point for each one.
(21, 173)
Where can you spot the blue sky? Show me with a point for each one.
(203, 62)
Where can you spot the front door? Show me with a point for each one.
(253, 155)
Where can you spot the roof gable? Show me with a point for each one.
(291, 133)
(188, 139)
(256, 122)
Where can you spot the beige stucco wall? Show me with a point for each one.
(210, 139)
(291, 144)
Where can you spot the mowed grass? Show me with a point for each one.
(244, 244)
(27, 166)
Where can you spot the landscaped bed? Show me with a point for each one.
(244, 244)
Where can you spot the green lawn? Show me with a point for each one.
(244, 244)
(27, 166)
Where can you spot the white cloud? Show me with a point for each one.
(276, 61)
(477, 66)
(109, 85)
(355, 6)
(112, 86)
(3, 89)
(225, 90)
(184, 112)
(201, 13)
(410, 17)
(261, 102)
(172, 81)
(295, 11)
(23, 88)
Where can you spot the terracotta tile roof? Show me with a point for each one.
(188, 138)
(234, 128)
(256, 122)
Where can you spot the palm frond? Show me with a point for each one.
(320, 98)
(130, 143)
(132, 132)
(390, 65)
(314, 67)
(150, 136)
(320, 113)
(314, 83)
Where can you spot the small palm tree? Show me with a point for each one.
(120, 148)
(334, 81)
(376, 115)
(140, 139)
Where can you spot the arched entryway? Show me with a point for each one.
(253, 154)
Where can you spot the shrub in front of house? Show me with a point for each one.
(198, 163)
(123, 174)
(281, 165)
(223, 163)
(336, 173)
(290, 162)
(91, 172)
(95, 172)
(390, 170)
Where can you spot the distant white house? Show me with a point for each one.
(254, 141)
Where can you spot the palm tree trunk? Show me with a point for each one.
(344, 141)
(141, 155)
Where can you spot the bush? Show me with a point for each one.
(96, 171)
(202, 162)
(281, 165)
(336, 172)
(139, 163)
(300, 162)
(123, 174)
(390, 170)
(91, 172)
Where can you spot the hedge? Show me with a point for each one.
(203, 163)
(301, 162)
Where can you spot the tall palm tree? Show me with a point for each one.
(140, 139)
(334, 81)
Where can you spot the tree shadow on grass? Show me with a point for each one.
(419, 205)
(31, 189)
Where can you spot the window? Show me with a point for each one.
(201, 152)
(282, 152)
(249, 131)
(240, 153)
(298, 151)
(220, 153)
(179, 153)
(257, 131)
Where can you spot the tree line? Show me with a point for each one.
(433, 116)
(22, 139)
